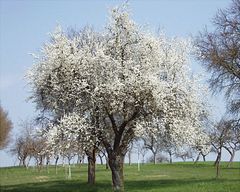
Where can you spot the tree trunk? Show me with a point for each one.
(116, 165)
(107, 163)
(91, 166)
(129, 158)
(154, 158)
(204, 157)
(170, 158)
(218, 158)
(69, 170)
(56, 161)
(231, 159)
(217, 162)
(197, 158)
(101, 160)
(47, 163)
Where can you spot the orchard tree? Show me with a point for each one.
(70, 136)
(232, 143)
(5, 128)
(23, 145)
(219, 51)
(219, 136)
(107, 84)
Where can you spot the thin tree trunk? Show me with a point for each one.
(69, 170)
(231, 159)
(107, 163)
(56, 161)
(218, 163)
(47, 163)
(154, 158)
(91, 166)
(101, 160)
(217, 159)
(197, 159)
(116, 165)
(204, 157)
(129, 158)
(170, 158)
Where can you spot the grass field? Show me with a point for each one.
(177, 177)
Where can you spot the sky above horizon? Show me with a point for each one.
(25, 27)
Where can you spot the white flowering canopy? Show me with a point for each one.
(117, 80)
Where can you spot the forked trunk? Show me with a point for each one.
(116, 165)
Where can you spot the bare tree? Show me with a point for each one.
(219, 135)
(23, 146)
(5, 128)
(220, 53)
(232, 143)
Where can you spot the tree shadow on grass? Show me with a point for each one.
(57, 186)
(105, 186)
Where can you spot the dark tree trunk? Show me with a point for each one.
(56, 161)
(91, 166)
(24, 162)
(170, 158)
(101, 160)
(218, 158)
(204, 157)
(197, 159)
(107, 163)
(116, 165)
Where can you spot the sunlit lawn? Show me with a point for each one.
(179, 177)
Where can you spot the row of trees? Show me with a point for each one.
(218, 51)
(223, 135)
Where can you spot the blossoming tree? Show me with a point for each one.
(114, 81)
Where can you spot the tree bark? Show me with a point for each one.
(91, 166)
(107, 163)
(204, 157)
(101, 160)
(56, 161)
(217, 162)
(129, 158)
(116, 165)
(69, 170)
(154, 158)
(218, 158)
(197, 158)
(231, 159)
(170, 158)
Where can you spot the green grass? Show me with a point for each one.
(178, 177)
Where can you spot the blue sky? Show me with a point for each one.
(25, 24)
